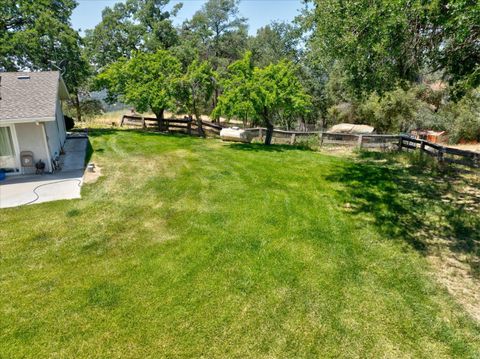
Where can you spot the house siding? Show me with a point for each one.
(55, 142)
(61, 121)
(30, 138)
(56, 134)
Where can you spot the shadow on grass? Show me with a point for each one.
(89, 153)
(260, 147)
(416, 202)
(95, 132)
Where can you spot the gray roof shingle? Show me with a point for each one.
(29, 98)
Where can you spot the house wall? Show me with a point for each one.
(56, 133)
(55, 142)
(31, 138)
(61, 121)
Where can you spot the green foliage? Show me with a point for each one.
(37, 35)
(272, 94)
(197, 86)
(215, 33)
(382, 43)
(394, 112)
(274, 43)
(462, 119)
(278, 93)
(136, 25)
(457, 50)
(150, 82)
(236, 100)
(371, 40)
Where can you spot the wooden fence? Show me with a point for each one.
(442, 153)
(183, 125)
(363, 141)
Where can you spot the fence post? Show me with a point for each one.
(260, 135)
(321, 138)
(422, 148)
(440, 153)
(143, 122)
(400, 143)
(189, 127)
(360, 141)
(292, 139)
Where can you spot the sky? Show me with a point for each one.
(258, 12)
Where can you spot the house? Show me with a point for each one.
(32, 126)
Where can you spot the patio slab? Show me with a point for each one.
(22, 190)
(75, 150)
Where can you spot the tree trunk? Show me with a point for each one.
(269, 125)
(76, 102)
(215, 102)
(269, 135)
(198, 118)
(160, 120)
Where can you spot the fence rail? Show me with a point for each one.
(442, 153)
(366, 141)
(188, 126)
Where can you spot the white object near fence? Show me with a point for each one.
(235, 134)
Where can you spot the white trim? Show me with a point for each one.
(49, 155)
(26, 120)
(16, 149)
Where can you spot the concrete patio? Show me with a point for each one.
(66, 184)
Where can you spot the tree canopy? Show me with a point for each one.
(147, 81)
(270, 94)
(136, 25)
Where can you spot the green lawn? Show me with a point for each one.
(196, 248)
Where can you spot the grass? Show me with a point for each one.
(196, 248)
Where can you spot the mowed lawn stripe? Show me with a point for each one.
(197, 248)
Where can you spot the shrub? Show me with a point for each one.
(462, 119)
(394, 112)
(69, 123)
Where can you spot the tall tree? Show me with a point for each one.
(220, 33)
(275, 42)
(217, 33)
(270, 95)
(37, 35)
(377, 43)
(237, 99)
(197, 87)
(147, 81)
(128, 27)
(380, 44)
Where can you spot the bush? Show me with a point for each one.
(69, 123)
(395, 111)
(462, 119)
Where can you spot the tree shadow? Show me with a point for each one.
(414, 202)
(260, 147)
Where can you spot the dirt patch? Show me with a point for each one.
(92, 177)
(455, 275)
(467, 147)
